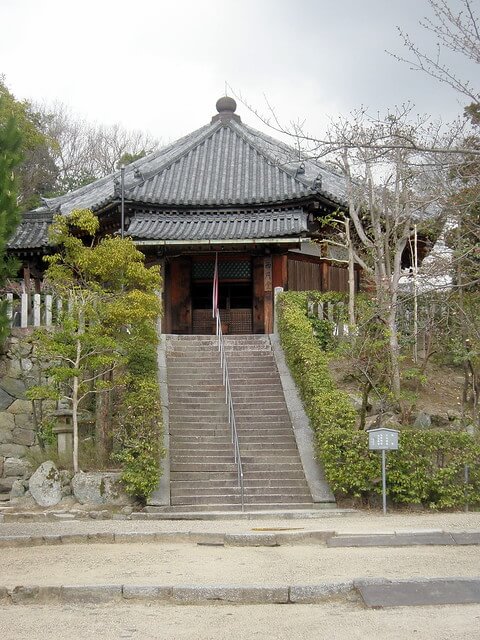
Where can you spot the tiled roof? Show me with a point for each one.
(32, 232)
(223, 163)
(217, 226)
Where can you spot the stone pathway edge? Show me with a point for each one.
(410, 593)
(267, 539)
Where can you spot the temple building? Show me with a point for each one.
(227, 190)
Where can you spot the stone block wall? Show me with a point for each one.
(17, 430)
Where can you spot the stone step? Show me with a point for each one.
(249, 467)
(203, 466)
(246, 444)
(234, 496)
(251, 476)
(290, 492)
(207, 454)
(183, 485)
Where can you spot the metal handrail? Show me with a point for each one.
(229, 402)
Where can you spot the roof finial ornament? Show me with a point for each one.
(226, 108)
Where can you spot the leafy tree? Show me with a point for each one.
(36, 171)
(106, 289)
(10, 158)
(84, 152)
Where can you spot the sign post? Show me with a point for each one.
(383, 440)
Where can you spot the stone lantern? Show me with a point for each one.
(64, 431)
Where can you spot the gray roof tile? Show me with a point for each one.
(224, 162)
(32, 232)
(204, 226)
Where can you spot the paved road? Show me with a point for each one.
(272, 622)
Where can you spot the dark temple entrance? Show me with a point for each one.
(235, 296)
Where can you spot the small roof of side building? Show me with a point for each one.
(224, 165)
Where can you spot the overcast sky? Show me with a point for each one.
(160, 65)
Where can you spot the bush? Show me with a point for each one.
(427, 469)
(140, 418)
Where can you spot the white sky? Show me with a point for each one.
(160, 65)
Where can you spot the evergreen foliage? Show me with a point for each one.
(105, 340)
(10, 157)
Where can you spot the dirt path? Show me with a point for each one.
(272, 622)
(361, 522)
(170, 564)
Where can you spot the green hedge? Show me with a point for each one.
(427, 469)
(140, 425)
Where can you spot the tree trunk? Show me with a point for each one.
(75, 423)
(351, 278)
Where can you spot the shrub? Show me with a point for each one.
(427, 469)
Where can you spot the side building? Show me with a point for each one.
(227, 190)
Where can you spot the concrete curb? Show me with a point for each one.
(375, 593)
(173, 537)
(161, 495)
(263, 539)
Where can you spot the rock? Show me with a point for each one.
(423, 420)
(98, 488)
(17, 490)
(5, 400)
(20, 406)
(16, 467)
(1, 466)
(6, 435)
(23, 436)
(26, 364)
(7, 420)
(65, 477)
(6, 484)
(24, 420)
(66, 490)
(45, 485)
(389, 421)
(371, 422)
(356, 401)
(13, 450)
(13, 387)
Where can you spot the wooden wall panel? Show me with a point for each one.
(304, 276)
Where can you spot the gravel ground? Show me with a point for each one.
(177, 564)
(362, 522)
(276, 622)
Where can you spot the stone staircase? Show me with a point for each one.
(203, 474)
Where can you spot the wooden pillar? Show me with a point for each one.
(268, 294)
(258, 295)
(325, 276)
(180, 295)
(280, 271)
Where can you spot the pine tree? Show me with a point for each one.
(10, 157)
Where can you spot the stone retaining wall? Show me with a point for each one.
(17, 431)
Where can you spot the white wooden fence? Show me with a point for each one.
(32, 309)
